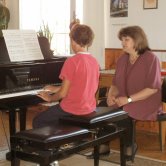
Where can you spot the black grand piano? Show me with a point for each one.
(19, 81)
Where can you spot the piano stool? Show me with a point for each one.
(48, 142)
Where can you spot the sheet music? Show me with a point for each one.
(22, 45)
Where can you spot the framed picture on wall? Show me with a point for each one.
(118, 8)
(150, 4)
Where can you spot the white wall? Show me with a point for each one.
(13, 6)
(151, 20)
(94, 17)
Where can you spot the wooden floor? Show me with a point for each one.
(148, 143)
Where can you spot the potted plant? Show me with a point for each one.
(4, 17)
(45, 32)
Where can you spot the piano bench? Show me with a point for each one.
(45, 145)
(100, 123)
(102, 117)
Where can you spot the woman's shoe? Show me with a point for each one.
(129, 154)
(104, 150)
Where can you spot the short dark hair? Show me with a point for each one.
(138, 35)
(82, 35)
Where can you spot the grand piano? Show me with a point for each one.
(20, 81)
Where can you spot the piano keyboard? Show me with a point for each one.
(23, 93)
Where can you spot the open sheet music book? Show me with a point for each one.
(22, 45)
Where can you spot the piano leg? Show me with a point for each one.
(12, 125)
(22, 118)
(12, 121)
(12, 128)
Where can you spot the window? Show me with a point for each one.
(56, 14)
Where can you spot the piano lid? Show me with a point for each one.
(44, 46)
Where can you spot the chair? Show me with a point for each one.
(162, 117)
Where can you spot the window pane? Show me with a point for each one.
(34, 14)
(30, 17)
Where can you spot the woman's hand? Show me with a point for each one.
(113, 92)
(121, 101)
(111, 100)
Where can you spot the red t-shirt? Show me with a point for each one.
(130, 79)
(82, 70)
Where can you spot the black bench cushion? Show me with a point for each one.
(49, 136)
(101, 117)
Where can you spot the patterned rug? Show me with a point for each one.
(114, 157)
(74, 160)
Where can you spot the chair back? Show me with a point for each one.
(164, 90)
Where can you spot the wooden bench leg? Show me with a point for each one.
(96, 155)
(133, 139)
(122, 149)
(15, 162)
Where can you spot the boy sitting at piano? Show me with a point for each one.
(80, 77)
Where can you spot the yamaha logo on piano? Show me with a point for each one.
(33, 79)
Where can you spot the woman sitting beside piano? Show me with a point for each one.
(136, 85)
